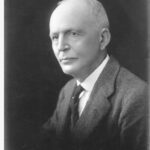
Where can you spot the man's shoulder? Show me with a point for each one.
(130, 87)
(129, 79)
(125, 76)
(122, 81)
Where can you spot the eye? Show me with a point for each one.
(73, 33)
(54, 37)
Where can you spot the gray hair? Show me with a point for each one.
(97, 9)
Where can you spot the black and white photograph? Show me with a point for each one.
(76, 74)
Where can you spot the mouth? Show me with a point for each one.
(67, 59)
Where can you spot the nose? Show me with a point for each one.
(62, 44)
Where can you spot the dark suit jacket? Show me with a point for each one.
(115, 117)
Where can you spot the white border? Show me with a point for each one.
(1, 74)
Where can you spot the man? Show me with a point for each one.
(111, 109)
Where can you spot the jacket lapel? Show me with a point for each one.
(64, 111)
(98, 105)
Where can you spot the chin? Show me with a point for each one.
(70, 71)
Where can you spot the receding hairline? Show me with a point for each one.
(97, 10)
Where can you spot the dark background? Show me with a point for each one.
(32, 76)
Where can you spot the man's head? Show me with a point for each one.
(79, 33)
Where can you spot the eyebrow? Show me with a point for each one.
(65, 31)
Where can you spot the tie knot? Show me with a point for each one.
(77, 91)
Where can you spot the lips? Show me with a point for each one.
(67, 59)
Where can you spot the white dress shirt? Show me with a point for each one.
(89, 83)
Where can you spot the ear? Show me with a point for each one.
(105, 37)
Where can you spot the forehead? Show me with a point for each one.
(70, 15)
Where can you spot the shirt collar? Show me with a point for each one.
(89, 82)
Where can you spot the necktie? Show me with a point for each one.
(75, 104)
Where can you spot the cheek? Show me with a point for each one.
(87, 47)
(90, 52)
(54, 50)
(92, 41)
(92, 45)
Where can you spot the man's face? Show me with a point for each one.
(75, 40)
